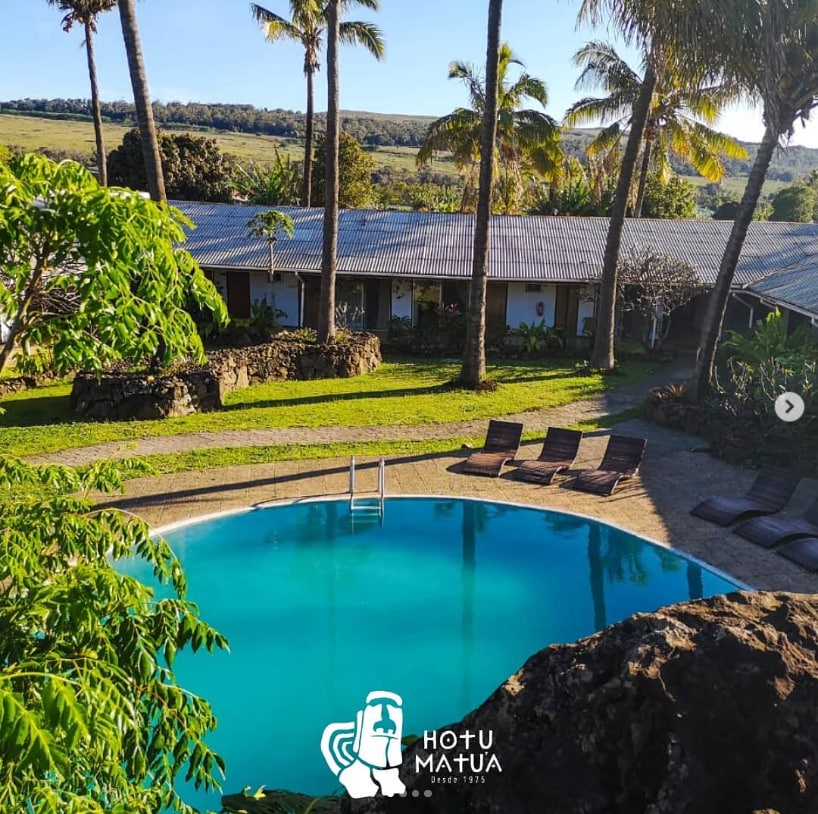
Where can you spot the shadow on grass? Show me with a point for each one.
(27, 412)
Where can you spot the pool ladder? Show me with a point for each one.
(360, 504)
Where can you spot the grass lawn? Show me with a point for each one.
(398, 393)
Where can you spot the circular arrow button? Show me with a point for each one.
(789, 407)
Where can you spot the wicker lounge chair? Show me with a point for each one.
(770, 492)
(621, 460)
(559, 451)
(770, 531)
(501, 445)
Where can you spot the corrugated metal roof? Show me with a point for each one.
(795, 287)
(532, 248)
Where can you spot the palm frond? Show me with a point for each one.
(607, 140)
(366, 34)
(593, 110)
(275, 28)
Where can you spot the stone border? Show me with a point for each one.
(121, 396)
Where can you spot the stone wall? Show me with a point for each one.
(119, 395)
(122, 396)
(288, 357)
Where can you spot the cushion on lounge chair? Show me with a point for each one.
(770, 531)
(501, 445)
(559, 451)
(803, 552)
(622, 458)
(770, 492)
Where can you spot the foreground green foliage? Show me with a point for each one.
(402, 393)
(90, 274)
(91, 718)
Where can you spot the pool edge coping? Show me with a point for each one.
(268, 504)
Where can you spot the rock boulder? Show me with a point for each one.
(707, 707)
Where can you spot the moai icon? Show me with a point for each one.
(364, 754)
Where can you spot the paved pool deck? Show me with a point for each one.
(676, 474)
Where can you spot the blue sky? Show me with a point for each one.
(212, 51)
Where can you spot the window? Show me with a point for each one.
(533, 288)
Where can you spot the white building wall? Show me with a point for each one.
(220, 281)
(521, 305)
(586, 309)
(402, 298)
(286, 291)
(260, 289)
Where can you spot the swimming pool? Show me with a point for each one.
(440, 604)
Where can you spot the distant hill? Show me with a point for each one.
(372, 129)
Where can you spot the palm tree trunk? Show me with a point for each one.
(474, 357)
(102, 158)
(643, 178)
(602, 355)
(717, 304)
(329, 261)
(142, 101)
(306, 184)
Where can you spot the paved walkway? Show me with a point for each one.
(616, 400)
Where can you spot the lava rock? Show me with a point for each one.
(706, 707)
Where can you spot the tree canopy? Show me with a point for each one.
(354, 173)
(90, 274)
(92, 720)
(194, 167)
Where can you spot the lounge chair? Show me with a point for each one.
(621, 461)
(501, 445)
(559, 451)
(770, 531)
(804, 552)
(770, 492)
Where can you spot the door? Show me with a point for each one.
(238, 294)
(566, 309)
(496, 295)
(312, 298)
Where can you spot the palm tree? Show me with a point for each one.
(142, 100)
(307, 26)
(666, 33)
(473, 371)
(85, 12)
(329, 259)
(526, 139)
(774, 55)
(269, 226)
(679, 119)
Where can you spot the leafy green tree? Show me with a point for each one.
(308, 26)
(277, 184)
(673, 199)
(91, 274)
(355, 167)
(142, 100)
(473, 370)
(795, 204)
(93, 720)
(193, 167)
(680, 117)
(581, 189)
(527, 140)
(771, 48)
(85, 12)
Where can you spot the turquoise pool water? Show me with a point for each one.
(440, 605)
